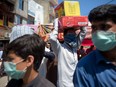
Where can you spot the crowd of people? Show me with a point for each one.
(28, 56)
(84, 51)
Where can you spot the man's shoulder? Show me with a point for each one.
(43, 82)
(88, 60)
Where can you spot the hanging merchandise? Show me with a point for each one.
(43, 30)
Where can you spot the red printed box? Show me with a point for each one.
(72, 21)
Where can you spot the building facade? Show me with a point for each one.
(17, 12)
(21, 12)
(35, 13)
(6, 12)
(13, 12)
(48, 6)
(6, 20)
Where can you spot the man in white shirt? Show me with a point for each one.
(66, 53)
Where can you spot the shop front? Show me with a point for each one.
(4, 36)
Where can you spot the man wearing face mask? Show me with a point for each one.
(24, 55)
(66, 53)
(98, 69)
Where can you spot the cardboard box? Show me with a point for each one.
(72, 21)
(68, 8)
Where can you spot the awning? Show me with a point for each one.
(87, 42)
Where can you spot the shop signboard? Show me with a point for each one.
(35, 10)
(31, 7)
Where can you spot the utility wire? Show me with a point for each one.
(109, 1)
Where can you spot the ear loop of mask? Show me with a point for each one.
(20, 62)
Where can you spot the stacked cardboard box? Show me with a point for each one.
(68, 8)
(73, 21)
(68, 13)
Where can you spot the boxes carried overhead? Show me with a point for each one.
(68, 14)
(68, 8)
(72, 21)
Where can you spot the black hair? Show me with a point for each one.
(67, 29)
(103, 13)
(28, 45)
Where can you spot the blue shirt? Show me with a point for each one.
(94, 71)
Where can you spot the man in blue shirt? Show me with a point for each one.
(98, 68)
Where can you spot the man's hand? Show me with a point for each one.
(47, 37)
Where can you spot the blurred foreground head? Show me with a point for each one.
(24, 43)
(103, 13)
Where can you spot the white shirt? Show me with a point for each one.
(67, 58)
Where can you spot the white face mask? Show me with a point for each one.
(10, 69)
(104, 40)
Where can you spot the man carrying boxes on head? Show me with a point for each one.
(66, 52)
(66, 26)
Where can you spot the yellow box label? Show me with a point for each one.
(72, 8)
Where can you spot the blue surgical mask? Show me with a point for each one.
(10, 69)
(104, 40)
(71, 39)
